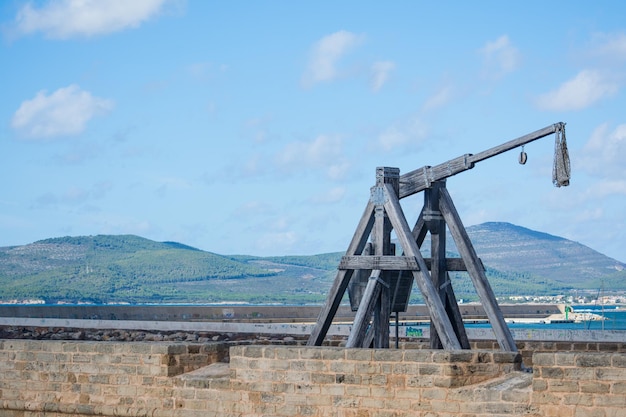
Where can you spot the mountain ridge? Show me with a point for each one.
(129, 268)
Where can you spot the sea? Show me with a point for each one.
(614, 319)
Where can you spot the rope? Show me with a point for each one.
(561, 169)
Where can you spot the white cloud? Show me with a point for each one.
(325, 54)
(325, 152)
(609, 188)
(338, 169)
(257, 129)
(439, 99)
(604, 153)
(277, 242)
(501, 57)
(165, 184)
(254, 207)
(399, 135)
(330, 196)
(74, 195)
(315, 153)
(65, 112)
(380, 73)
(63, 19)
(205, 70)
(610, 46)
(586, 88)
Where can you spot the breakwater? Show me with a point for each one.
(261, 313)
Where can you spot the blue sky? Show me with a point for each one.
(256, 127)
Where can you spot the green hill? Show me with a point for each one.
(112, 269)
(548, 261)
(131, 269)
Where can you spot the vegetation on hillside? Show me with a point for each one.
(111, 269)
(131, 269)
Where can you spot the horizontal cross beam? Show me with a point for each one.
(382, 262)
(395, 263)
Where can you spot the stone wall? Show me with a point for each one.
(79, 379)
(569, 384)
(96, 378)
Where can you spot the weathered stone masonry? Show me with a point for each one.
(79, 379)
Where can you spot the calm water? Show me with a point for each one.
(615, 319)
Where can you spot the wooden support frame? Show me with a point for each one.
(383, 214)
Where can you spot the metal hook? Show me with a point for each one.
(523, 157)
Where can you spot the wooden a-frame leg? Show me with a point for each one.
(422, 277)
(338, 289)
(476, 272)
(364, 313)
(452, 308)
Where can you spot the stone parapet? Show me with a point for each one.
(132, 379)
(567, 384)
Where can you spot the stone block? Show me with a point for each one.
(587, 412)
(332, 389)
(618, 388)
(558, 386)
(332, 354)
(361, 355)
(432, 393)
(316, 366)
(483, 344)
(593, 360)
(516, 396)
(607, 347)
(374, 379)
(581, 347)
(430, 369)
(81, 358)
(236, 351)
(397, 381)
(323, 378)
(379, 392)
(578, 399)
(611, 374)
(408, 368)
(545, 397)
(444, 356)
(287, 354)
(580, 374)
(612, 401)
(543, 359)
(418, 356)
(345, 401)
(419, 381)
(550, 372)
(253, 351)
(618, 361)
(342, 367)
(387, 355)
(367, 367)
(357, 391)
(445, 406)
(594, 387)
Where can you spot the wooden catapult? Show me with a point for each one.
(379, 281)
